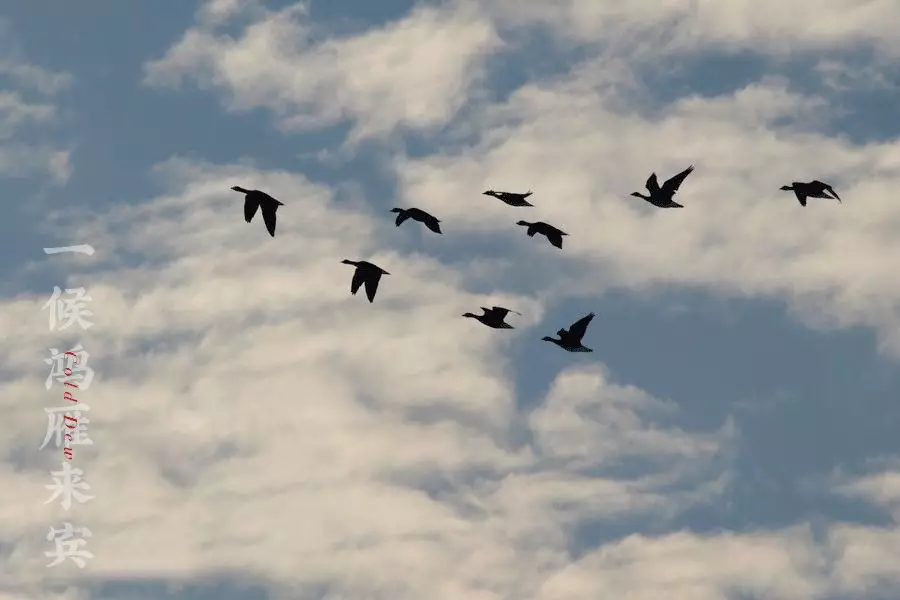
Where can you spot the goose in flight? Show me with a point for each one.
(553, 235)
(811, 189)
(662, 196)
(570, 339)
(511, 198)
(417, 214)
(493, 317)
(366, 273)
(253, 199)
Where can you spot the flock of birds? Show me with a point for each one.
(368, 275)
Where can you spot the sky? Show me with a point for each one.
(261, 434)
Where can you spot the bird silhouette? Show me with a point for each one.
(553, 235)
(662, 196)
(511, 198)
(417, 214)
(493, 317)
(366, 273)
(254, 199)
(570, 339)
(811, 189)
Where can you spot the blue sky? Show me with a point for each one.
(263, 434)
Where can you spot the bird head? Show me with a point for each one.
(547, 339)
(489, 193)
(636, 194)
(523, 223)
(238, 188)
(396, 210)
(348, 262)
(787, 188)
(470, 315)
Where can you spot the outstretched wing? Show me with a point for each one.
(432, 224)
(831, 191)
(372, 285)
(502, 312)
(801, 196)
(652, 184)
(268, 212)
(250, 207)
(401, 217)
(674, 183)
(555, 238)
(577, 329)
(358, 278)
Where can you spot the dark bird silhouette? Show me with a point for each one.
(571, 339)
(811, 189)
(662, 196)
(553, 235)
(253, 199)
(494, 317)
(511, 198)
(366, 273)
(417, 214)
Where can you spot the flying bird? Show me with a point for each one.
(254, 199)
(511, 198)
(493, 317)
(553, 235)
(417, 214)
(811, 189)
(662, 196)
(366, 273)
(571, 339)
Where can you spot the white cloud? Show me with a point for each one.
(20, 115)
(738, 233)
(644, 28)
(413, 73)
(241, 383)
(255, 416)
(34, 77)
(880, 75)
(21, 160)
(16, 112)
(881, 489)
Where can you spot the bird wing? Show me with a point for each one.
(430, 221)
(250, 206)
(555, 238)
(831, 190)
(401, 217)
(801, 196)
(504, 311)
(372, 285)
(268, 212)
(652, 184)
(358, 278)
(433, 224)
(577, 329)
(674, 183)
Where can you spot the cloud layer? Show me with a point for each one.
(253, 418)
